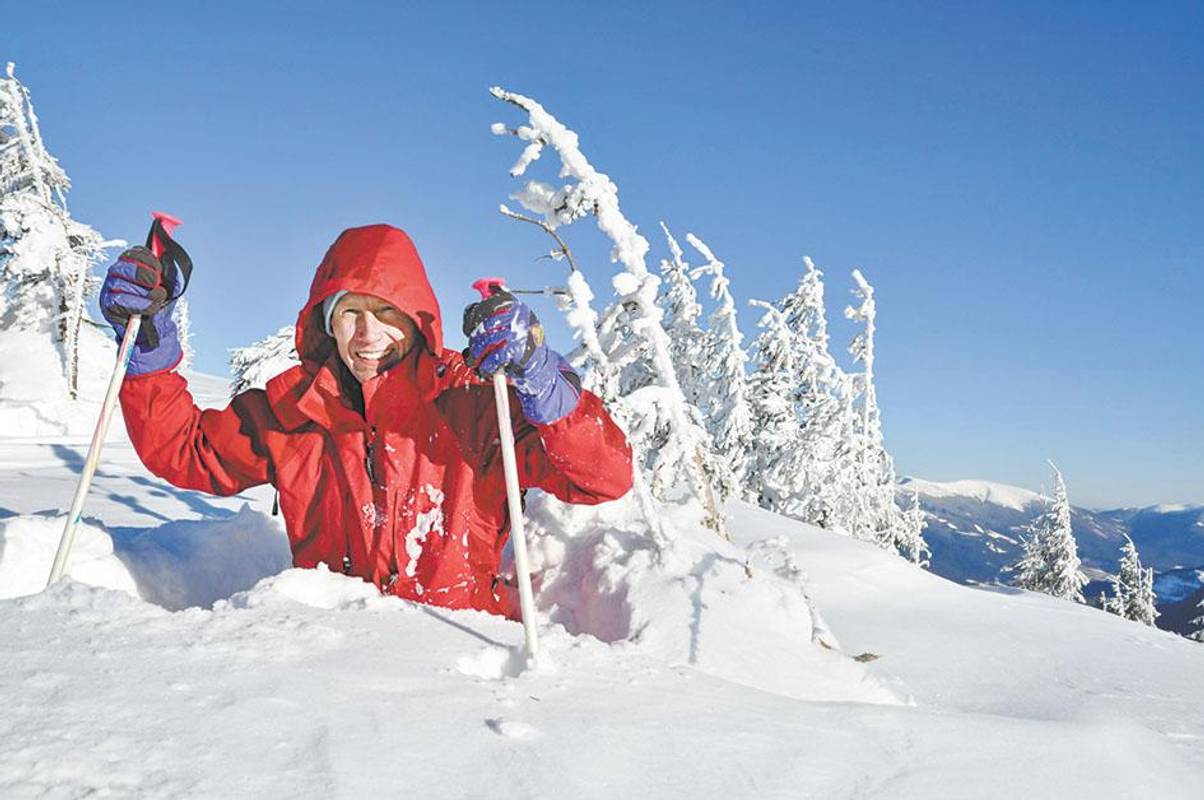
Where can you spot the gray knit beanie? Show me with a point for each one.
(328, 308)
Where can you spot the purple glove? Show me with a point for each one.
(135, 284)
(503, 333)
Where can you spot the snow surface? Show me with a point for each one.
(184, 658)
(34, 390)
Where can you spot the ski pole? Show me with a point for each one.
(168, 223)
(522, 567)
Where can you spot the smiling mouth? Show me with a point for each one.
(371, 355)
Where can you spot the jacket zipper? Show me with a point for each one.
(369, 450)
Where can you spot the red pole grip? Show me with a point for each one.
(489, 286)
(169, 223)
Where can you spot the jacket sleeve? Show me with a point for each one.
(216, 451)
(581, 458)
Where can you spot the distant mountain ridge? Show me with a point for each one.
(974, 530)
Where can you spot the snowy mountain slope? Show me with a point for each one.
(1181, 600)
(704, 682)
(1169, 537)
(975, 528)
(1176, 585)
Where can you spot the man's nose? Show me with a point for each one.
(366, 324)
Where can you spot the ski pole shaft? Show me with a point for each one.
(98, 438)
(514, 501)
(518, 535)
(102, 425)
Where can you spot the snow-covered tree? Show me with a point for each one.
(253, 366)
(777, 469)
(875, 517)
(806, 315)
(679, 301)
(45, 255)
(819, 471)
(727, 412)
(663, 428)
(1051, 561)
(833, 470)
(1133, 588)
(910, 541)
(1198, 634)
(183, 322)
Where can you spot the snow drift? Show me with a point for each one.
(305, 684)
(736, 614)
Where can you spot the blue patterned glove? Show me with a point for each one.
(135, 284)
(504, 334)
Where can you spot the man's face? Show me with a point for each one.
(371, 334)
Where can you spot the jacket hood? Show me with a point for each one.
(379, 260)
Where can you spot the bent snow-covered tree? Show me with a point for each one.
(875, 517)
(664, 430)
(1051, 560)
(45, 255)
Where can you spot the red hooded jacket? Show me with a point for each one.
(410, 494)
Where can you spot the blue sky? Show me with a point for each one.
(1020, 181)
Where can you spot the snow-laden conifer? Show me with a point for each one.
(1051, 562)
(910, 541)
(777, 470)
(1133, 588)
(45, 255)
(183, 320)
(805, 314)
(663, 428)
(1198, 633)
(820, 472)
(679, 301)
(253, 366)
(727, 413)
(875, 517)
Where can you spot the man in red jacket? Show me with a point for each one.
(382, 445)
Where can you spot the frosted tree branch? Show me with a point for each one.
(562, 248)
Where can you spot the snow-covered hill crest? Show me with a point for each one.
(988, 492)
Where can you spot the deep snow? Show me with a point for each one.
(184, 659)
